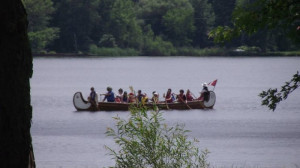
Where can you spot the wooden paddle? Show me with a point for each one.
(193, 95)
(184, 102)
(166, 102)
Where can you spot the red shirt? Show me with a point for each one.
(169, 98)
(181, 98)
(189, 97)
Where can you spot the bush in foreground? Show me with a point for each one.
(144, 141)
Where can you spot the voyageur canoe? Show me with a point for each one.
(82, 105)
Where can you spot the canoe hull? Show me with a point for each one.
(82, 105)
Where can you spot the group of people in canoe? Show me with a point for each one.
(132, 97)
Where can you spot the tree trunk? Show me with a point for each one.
(15, 72)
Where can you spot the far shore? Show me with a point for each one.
(229, 54)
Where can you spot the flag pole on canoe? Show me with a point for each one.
(213, 83)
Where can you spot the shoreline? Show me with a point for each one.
(232, 54)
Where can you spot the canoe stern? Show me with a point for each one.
(79, 103)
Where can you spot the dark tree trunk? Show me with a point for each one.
(15, 72)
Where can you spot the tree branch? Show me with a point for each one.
(272, 97)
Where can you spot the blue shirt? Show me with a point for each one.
(124, 98)
(110, 97)
(93, 95)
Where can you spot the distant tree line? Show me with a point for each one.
(142, 27)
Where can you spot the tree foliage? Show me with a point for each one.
(39, 17)
(259, 15)
(145, 141)
(223, 11)
(272, 97)
(204, 20)
(77, 20)
(124, 26)
(181, 23)
(39, 13)
(40, 39)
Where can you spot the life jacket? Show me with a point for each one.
(170, 97)
(189, 97)
(181, 98)
(131, 98)
(118, 99)
(144, 100)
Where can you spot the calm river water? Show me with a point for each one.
(238, 132)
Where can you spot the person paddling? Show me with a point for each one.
(189, 96)
(181, 96)
(169, 97)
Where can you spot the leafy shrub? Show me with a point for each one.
(249, 49)
(158, 47)
(145, 141)
(107, 40)
(40, 39)
(112, 51)
(51, 52)
(188, 51)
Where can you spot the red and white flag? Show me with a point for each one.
(213, 83)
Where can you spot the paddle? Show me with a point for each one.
(193, 95)
(131, 89)
(166, 102)
(184, 102)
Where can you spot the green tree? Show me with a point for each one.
(104, 28)
(39, 40)
(172, 20)
(267, 39)
(145, 141)
(124, 26)
(39, 16)
(77, 21)
(107, 40)
(155, 45)
(259, 15)
(15, 74)
(151, 13)
(223, 11)
(204, 20)
(178, 23)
